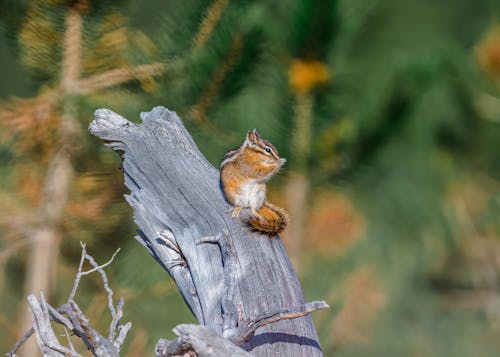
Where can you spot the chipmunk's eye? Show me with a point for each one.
(267, 149)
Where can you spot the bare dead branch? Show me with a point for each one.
(96, 267)
(76, 321)
(100, 346)
(47, 341)
(104, 278)
(76, 282)
(20, 342)
(202, 340)
(59, 318)
(99, 267)
(246, 329)
(167, 348)
(68, 338)
(113, 326)
(122, 334)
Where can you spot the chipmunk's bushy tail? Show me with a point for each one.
(271, 220)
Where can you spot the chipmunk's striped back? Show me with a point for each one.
(229, 156)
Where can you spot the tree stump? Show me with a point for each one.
(233, 280)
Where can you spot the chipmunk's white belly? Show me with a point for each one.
(252, 194)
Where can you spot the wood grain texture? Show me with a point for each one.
(179, 207)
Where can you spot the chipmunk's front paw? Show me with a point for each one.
(236, 212)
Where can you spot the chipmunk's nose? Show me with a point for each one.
(282, 161)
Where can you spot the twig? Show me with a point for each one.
(105, 282)
(96, 267)
(95, 342)
(75, 321)
(78, 276)
(113, 326)
(124, 329)
(244, 331)
(84, 326)
(168, 238)
(19, 343)
(60, 319)
(68, 338)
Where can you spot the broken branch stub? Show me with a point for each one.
(180, 209)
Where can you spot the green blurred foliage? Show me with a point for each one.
(402, 161)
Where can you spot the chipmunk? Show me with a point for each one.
(244, 173)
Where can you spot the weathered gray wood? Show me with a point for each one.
(204, 340)
(45, 337)
(181, 212)
(72, 318)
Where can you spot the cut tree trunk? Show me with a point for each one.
(228, 276)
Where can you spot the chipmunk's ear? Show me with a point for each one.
(256, 133)
(251, 137)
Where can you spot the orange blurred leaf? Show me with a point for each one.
(334, 224)
(488, 52)
(364, 298)
(305, 75)
(34, 120)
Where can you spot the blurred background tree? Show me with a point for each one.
(388, 112)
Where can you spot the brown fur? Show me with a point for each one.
(271, 220)
(252, 165)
